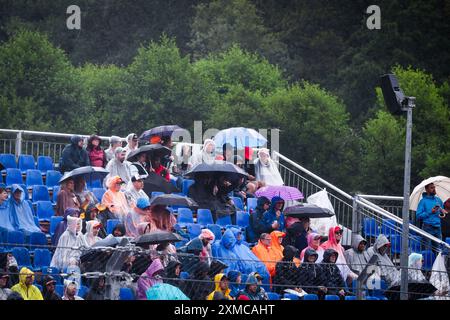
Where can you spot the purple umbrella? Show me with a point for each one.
(285, 192)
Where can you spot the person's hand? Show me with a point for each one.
(342, 292)
(435, 208)
(227, 183)
(278, 213)
(242, 193)
(299, 290)
(231, 202)
(215, 190)
(275, 225)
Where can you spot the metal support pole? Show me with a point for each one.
(356, 217)
(405, 213)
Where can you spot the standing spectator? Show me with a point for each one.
(266, 170)
(21, 211)
(97, 155)
(314, 244)
(119, 166)
(257, 223)
(149, 278)
(428, 210)
(286, 271)
(445, 222)
(73, 155)
(275, 213)
(135, 190)
(132, 143)
(4, 290)
(25, 286)
(66, 197)
(357, 256)
(115, 142)
(70, 291)
(6, 218)
(227, 152)
(114, 199)
(48, 288)
(221, 283)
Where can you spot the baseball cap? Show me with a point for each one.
(143, 203)
(115, 139)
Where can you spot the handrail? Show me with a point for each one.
(378, 197)
(52, 134)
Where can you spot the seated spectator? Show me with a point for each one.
(199, 284)
(90, 238)
(275, 213)
(114, 199)
(252, 289)
(118, 166)
(67, 197)
(167, 252)
(167, 160)
(159, 169)
(314, 244)
(246, 187)
(415, 262)
(216, 267)
(330, 275)
(6, 218)
(97, 155)
(96, 213)
(309, 275)
(275, 244)
(4, 288)
(268, 255)
(48, 288)
(74, 155)
(386, 267)
(235, 280)
(221, 283)
(207, 237)
(138, 214)
(21, 211)
(119, 230)
(162, 218)
(70, 291)
(97, 290)
(257, 223)
(62, 225)
(69, 239)
(173, 270)
(115, 142)
(85, 197)
(149, 278)
(286, 271)
(135, 190)
(139, 166)
(207, 154)
(132, 143)
(357, 256)
(25, 286)
(266, 170)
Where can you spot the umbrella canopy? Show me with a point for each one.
(157, 237)
(173, 200)
(166, 130)
(216, 166)
(88, 172)
(285, 192)
(240, 137)
(109, 241)
(416, 290)
(165, 291)
(155, 182)
(307, 211)
(150, 149)
(442, 190)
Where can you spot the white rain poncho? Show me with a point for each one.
(386, 267)
(414, 268)
(322, 225)
(203, 156)
(118, 168)
(132, 195)
(71, 238)
(439, 278)
(89, 238)
(356, 260)
(267, 171)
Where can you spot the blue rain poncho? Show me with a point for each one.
(21, 213)
(6, 221)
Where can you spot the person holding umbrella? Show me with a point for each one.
(66, 197)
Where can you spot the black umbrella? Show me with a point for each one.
(88, 172)
(166, 130)
(155, 182)
(416, 290)
(216, 166)
(173, 200)
(307, 211)
(109, 241)
(215, 267)
(157, 237)
(151, 149)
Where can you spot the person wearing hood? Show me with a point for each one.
(235, 281)
(119, 230)
(275, 213)
(67, 197)
(21, 211)
(5, 291)
(221, 285)
(70, 291)
(330, 275)
(173, 271)
(97, 155)
(62, 225)
(415, 262)
(357, 256)
(92, 228)
(118, 166)
(286, 271)
(310, 272)
(114, 199)
(115, 142)
(266, 253)
(199, 284)
(225, 250)
(135, 190)
(149, 278)
(298, 233)
(74, 156)
(138, 214)
(6, 218)
(48, 289)
(334, 242)
(132, 143)
(71, 238)
(207, 154)
(25, 286)
(314, 244)
(97, 290)
(251, 289)
(266, 170)
(257, 223)
(387, 269)
(207, 237)
(428, 210)
(276, 243)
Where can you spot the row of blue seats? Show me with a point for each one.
(33, 178)
(26, 162)
(17, 238)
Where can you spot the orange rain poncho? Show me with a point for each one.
(116, 200)
(268, 255)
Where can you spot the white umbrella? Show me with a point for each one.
(442, 190)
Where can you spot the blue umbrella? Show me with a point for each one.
(165, 291)
(240, 138)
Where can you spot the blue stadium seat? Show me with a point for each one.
(82, 291)
(8, 160)
(185, 216)
(55, 194)
(216, 229)
(350, 297)
(13, 176)
(22, 256)
(44, 210)
(372, 298)
(331, 297)
(194, 230)
(96, 183)
(52, 179)
(310, 296)
(273, 295)
(45, 164)
(291, 296)
(38, 240)
(111, 224)
(251, 204)
(224, 221)
(389, 227)
(26, 162)
(238, 203)
(447, 240)
(54, 272)
(59, 289)
(126, 294)
(156, 193)
(40, 193)
(242, 219)
(34, 178)
(428, 259)
(186, 184)
(98, 193)
(396, 243)
(15, 239)
(414, 244)
(26, 193)
(54, 221)
(204, 217)
(42, 258)
(371, 227)
(184, 275)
